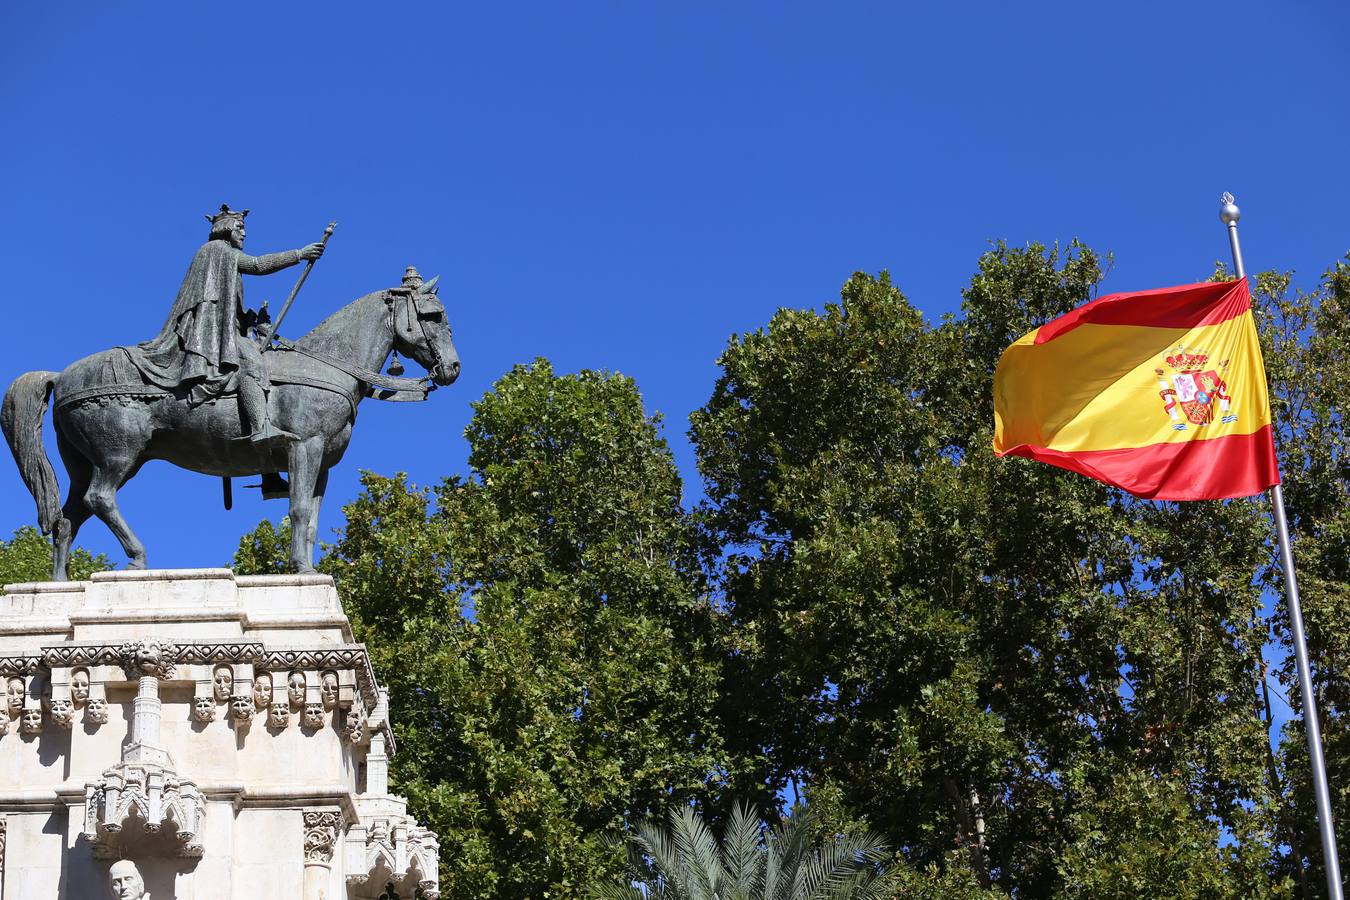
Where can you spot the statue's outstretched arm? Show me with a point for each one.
(269, 263)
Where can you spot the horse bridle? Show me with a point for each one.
(414, 314)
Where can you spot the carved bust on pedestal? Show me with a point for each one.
(125, 882)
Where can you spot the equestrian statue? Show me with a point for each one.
(218, 392)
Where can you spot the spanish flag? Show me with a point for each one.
(1160, 393)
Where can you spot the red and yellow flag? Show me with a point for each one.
(1161, 393)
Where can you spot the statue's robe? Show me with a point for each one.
(197, 349)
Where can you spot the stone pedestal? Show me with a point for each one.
(223, 732)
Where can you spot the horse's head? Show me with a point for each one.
(421, 330)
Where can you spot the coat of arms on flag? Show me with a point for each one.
(1194, 391)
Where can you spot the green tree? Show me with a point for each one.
(967, 652)
(265, 550)
(793, 860)
(544, 630)
(27, 556)
(1306, 343)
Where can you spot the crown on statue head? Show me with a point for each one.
(226, 213)
(1185, 362)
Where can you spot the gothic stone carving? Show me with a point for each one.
(63, 712)
(241, 709)
(313, 715)
(222, 683)
(394, 850)
(150, 656)
(79, 687)
(354, 728)
(262, 691)
(328, 689)
(321, 836)
(160, 657)
(131, 801)
(295, 689)
(204, 709)
(20, 664)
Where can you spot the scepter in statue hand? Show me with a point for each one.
(312, 253)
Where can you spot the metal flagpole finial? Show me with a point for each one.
(1229, 214)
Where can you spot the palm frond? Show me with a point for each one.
(700, 852)
(685, 861)
(742, 856)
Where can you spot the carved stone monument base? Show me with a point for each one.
(222, 732)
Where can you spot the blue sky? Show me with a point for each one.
(622, 186)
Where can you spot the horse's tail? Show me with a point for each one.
(21, 416)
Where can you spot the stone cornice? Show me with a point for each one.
(207, 652)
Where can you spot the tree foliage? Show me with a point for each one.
(1025, 682)
(27, 556)
(544, 630)
(1306, 342)
(266, 550)
(972, 654)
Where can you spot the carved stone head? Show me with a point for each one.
(222, 683)
(241, 709)
(14, 694)
(125, 882)
(63, 712)
(295, 688)
(97, 711)
(204, 709)
(79, 687)
(313, 715)
(148, 657)
(32, 720)
(279, 714)
(262, 690)
(355, 726)
(328, 689)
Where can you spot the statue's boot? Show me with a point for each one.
(269, 435)
(253, 404)
(274, 487)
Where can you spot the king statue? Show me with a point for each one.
(219, 392)
(204, 348)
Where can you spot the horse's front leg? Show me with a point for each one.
(306, 459)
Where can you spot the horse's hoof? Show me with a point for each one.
(136, 564)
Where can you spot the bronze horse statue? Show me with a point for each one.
(109, 421)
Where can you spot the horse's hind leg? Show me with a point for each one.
(101, 497)
(75, 512)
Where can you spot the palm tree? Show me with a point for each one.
(752, 862)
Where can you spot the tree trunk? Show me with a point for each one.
(970, 815)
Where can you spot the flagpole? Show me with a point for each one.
(1229, 215)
